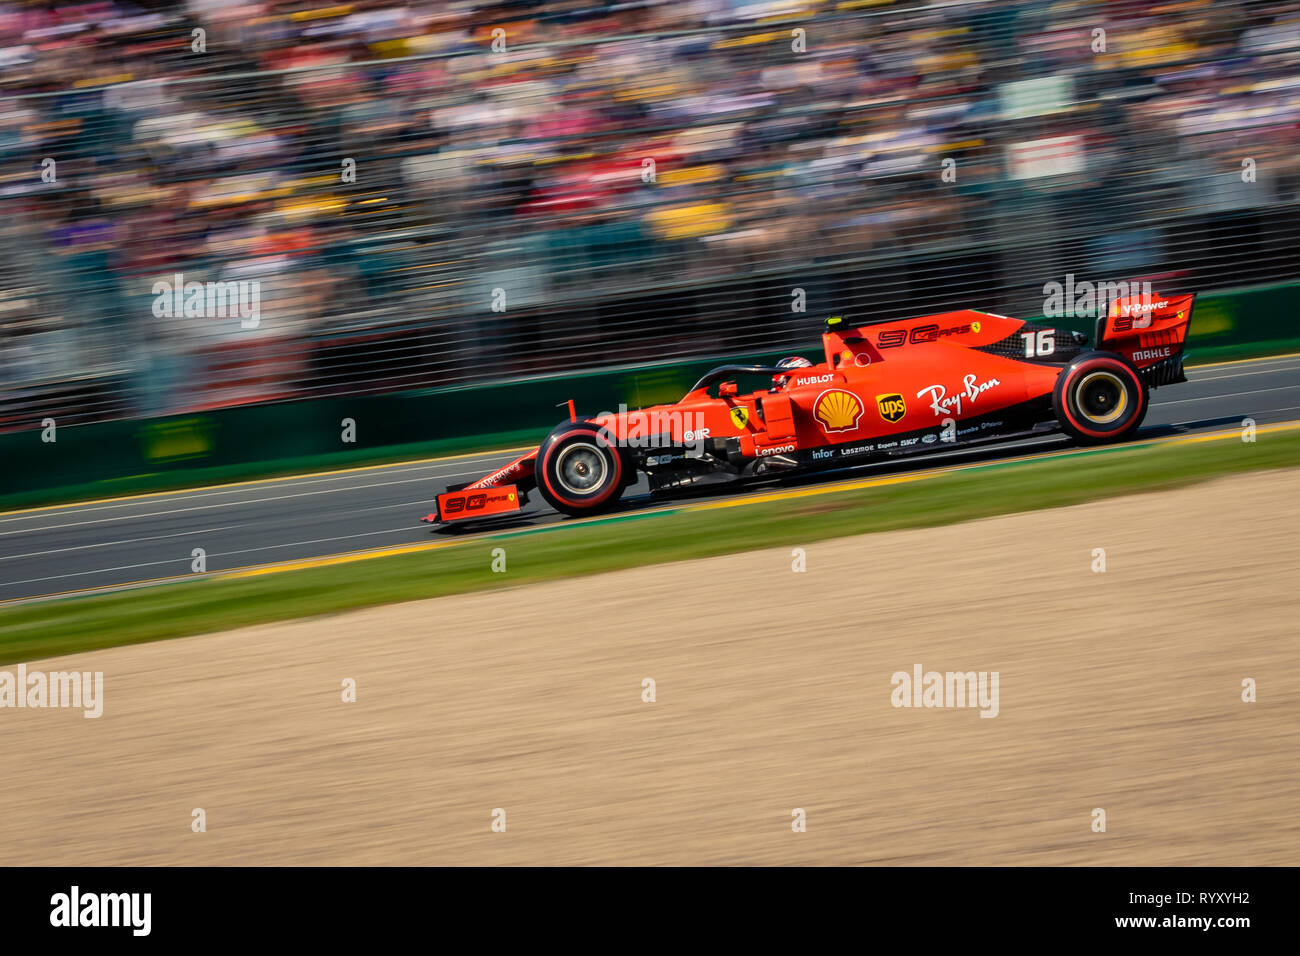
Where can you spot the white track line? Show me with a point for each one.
(219, 554)
(1220, 378)
(223, 504)
(1257, 391)
(110, 544)
(229, 527)
(253, 485)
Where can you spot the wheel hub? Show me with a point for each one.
(1102, 397)
(581, 468)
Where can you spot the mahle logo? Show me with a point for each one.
(838, 410)
(892, 407)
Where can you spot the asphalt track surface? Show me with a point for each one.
(111, 543)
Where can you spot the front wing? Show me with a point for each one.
(475, 503)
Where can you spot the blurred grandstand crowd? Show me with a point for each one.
(622, 182)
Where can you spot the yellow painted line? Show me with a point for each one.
(821, 490)
(332, 559)
(756, 498)
(104, 589)
(1234, 433)
(345, 557)
(950, 469)
(349, 557)
(265, 481)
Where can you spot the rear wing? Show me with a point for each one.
(1150, 331)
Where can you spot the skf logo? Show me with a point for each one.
(740, 416)
(838, 410)
(892, 407)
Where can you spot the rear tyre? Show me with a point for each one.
(578, 471)
(1099, 398)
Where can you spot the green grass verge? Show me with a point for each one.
(76, 624)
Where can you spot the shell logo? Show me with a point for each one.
(838, 410)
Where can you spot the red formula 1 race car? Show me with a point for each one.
(884, 389)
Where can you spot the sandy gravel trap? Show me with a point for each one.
(775, 692)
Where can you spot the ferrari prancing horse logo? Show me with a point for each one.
(740, 416)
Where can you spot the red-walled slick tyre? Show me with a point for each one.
(578, 472)
(1099, 398)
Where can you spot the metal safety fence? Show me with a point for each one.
(210, 205)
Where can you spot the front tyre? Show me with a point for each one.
(578, 472)
(1099, 397)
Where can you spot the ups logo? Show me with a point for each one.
(892, 407)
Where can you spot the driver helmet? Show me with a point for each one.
(793, 361)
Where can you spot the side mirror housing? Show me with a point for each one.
(728, 389)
